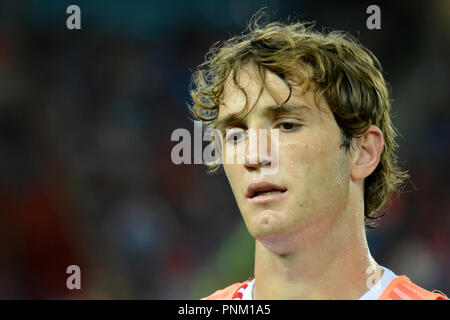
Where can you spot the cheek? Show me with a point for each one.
(316, 165)
(232, 173)
(317, 177)
(300, 157)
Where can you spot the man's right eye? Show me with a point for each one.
(235, 135)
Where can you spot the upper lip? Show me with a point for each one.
(255, 187)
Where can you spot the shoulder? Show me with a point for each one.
(226, 293)
(401, 288)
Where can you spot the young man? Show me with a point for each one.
(326, 99)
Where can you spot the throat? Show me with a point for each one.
(309, 274)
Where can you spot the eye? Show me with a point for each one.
(288, 126)
(235, 135)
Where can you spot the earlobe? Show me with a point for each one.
(368, 152)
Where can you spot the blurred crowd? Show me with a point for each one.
(86, 176)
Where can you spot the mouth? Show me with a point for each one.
(264, 192)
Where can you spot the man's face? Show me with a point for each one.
(313, 169)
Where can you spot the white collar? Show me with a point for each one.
(373, 294)
(248, 292)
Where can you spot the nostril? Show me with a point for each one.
(251, 167)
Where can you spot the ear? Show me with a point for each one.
(368, 152)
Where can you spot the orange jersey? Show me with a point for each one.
(401, 288)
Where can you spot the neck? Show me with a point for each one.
(326, 267)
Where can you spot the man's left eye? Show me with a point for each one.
(288, 126)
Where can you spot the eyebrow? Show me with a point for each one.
(269, 111)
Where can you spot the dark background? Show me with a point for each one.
(86, 116)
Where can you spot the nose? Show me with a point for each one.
(258, 149)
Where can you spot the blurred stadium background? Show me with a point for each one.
(85, 124)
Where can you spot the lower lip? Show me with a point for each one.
(266, 198)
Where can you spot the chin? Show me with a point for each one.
(269, 228)
(268, 221)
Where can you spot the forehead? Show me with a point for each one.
(274, 92)
(250, 80)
